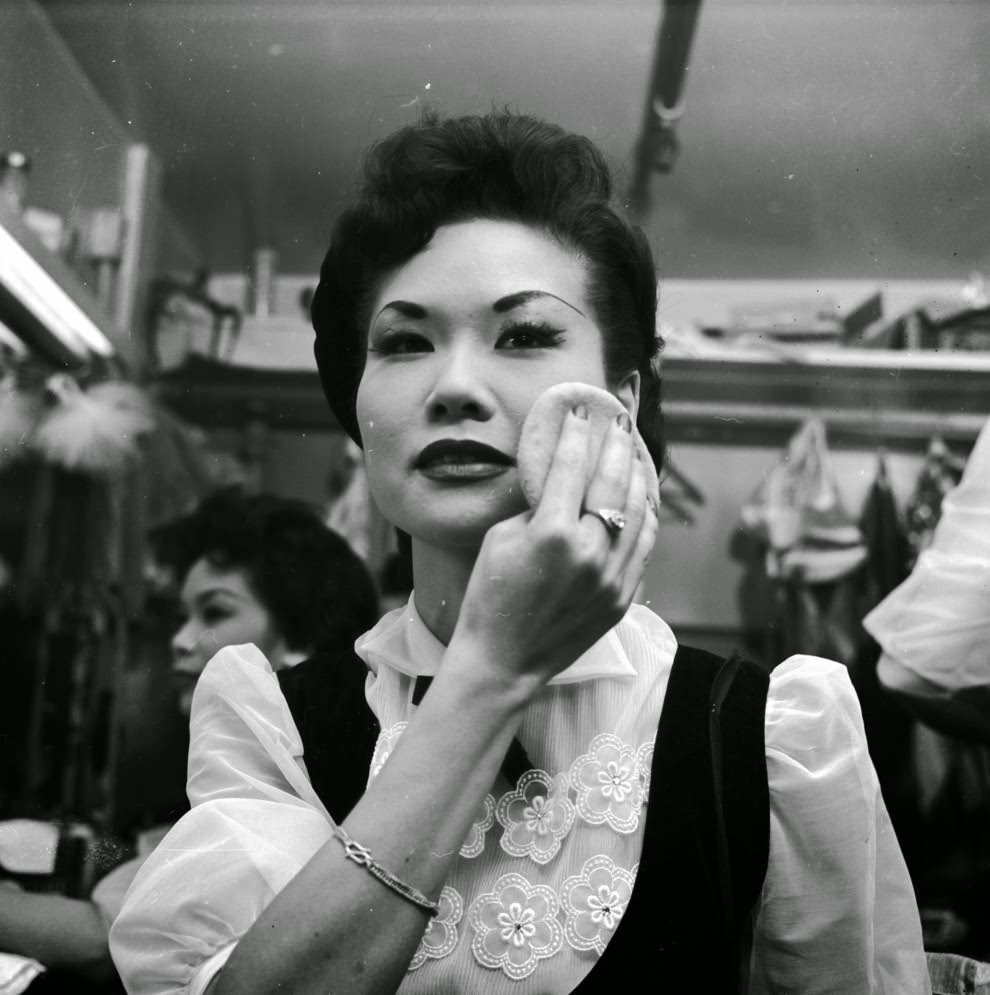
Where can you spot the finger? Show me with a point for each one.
(635, 512)
(642, 547)
(609, 484)
(566, 479)
(633, 578)
(623, 554)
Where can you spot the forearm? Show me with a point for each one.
(337, 928)
(61, 933)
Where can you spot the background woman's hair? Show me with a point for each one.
(317, 590)
(501, 166)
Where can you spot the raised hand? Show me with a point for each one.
(549, 583)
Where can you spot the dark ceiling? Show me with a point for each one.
(849, 138)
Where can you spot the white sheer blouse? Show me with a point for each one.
(545, 871)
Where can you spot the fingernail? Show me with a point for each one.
(624, 423)
(581, 410)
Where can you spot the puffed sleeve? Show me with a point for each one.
(838, 913)
(255, 821)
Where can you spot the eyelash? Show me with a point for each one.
(546, 335)
(393, 342)
(390, 342)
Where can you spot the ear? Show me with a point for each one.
(627, 391)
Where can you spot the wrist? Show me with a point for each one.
(480, 672)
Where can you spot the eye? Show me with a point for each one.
(395, 342)
(529, 335)
(214, 614)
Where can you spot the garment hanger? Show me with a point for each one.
(690, 491)
(678, 512)
(682, 493)
(883, 476)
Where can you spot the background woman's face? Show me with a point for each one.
(220, 609)
(463, 338)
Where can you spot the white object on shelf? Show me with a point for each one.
(28, 846)
(274, 343)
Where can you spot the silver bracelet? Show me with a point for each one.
(361, 855)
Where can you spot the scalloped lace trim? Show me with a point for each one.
(518, 924)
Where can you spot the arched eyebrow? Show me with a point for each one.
(211, 592)
(407, 309)
(511, 301)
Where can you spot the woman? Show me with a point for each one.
(499, 845)
(252, 569)
(264, 570)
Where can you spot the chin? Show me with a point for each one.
(463, 533)
(462, 527)
(458, 517)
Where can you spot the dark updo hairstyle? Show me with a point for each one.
(500, 166)
(315, 587)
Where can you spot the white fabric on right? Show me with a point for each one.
(936, 624)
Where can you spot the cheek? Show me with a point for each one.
(381, 473)
(209, 643)
(383, 439)
(256, 630)
(372, 421)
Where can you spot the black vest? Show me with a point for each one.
(707, 831)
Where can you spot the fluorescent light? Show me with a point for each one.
(28, 280)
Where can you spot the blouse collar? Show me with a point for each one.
(402, 641)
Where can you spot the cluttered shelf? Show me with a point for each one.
(736, 370)
(864, 396)
(889, 398)
(887, 362)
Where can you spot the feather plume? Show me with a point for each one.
(94, 431)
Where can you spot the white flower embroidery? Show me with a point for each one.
(515, 925)
(644, 761)
(536, 816)
(387, 739)
(474, 843)
(594, 902)
(441, 935)
(607, 782)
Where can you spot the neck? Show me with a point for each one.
(440, 578)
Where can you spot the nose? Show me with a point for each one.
(460, 390)
(183, 647)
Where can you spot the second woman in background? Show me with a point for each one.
(251, 569)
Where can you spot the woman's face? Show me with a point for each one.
(463, 338)
(220, 609)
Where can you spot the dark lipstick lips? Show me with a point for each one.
(461, 451)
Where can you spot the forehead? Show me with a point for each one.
(204, 576)
(478, 262)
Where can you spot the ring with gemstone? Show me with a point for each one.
(613, 519)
